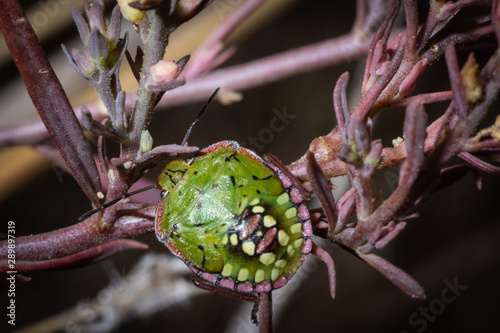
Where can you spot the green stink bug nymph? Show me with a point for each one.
(239, 222)
(235, 219)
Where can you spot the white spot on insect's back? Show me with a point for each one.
(258, 209)
(234, 239)
(254, 201)
(298, 243)
(283, 238)
(248, 247)
(283, 198)
(280, 263)
(267, 258)
(224, 239)
(243, 274)
(269, 221)
(275, 273)
(227, 270)
(291, 213)
(260, 275)
(296, 228)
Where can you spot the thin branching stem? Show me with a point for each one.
(56, 112)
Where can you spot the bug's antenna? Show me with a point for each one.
(200, 114)
(112, 202)
(126, 195)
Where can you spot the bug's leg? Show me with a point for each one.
(327, 259)
(263, 309)
(249, 297)
(204, 284)
(298, 185)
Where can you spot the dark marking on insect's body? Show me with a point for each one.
(203, 251)
(254, 177)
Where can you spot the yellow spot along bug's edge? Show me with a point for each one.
(254, 201)
(280, 263)
(269, 221)
(260, 275)
(243, 274)
(275, 273)
(248, 247)
(258, 209)
(283, 199)
(224, 239)
(227, 270)
(298, 243)
(291, 213)
(234, 239)
(267, 258)
(296, 228)
(283, 238)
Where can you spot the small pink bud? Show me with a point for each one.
(164, 71)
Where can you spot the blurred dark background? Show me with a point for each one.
(455, 240)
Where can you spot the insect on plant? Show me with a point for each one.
(235, 219)
(238, 221)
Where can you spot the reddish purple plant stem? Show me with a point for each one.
(480, 164)
(80, 237)
(48, 97)
(252, 74)
(436, 97)
(208, 56)
(86, 257)
(270, 69)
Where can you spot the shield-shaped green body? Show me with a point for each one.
(236, 220)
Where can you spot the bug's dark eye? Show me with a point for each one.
(164, 193)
